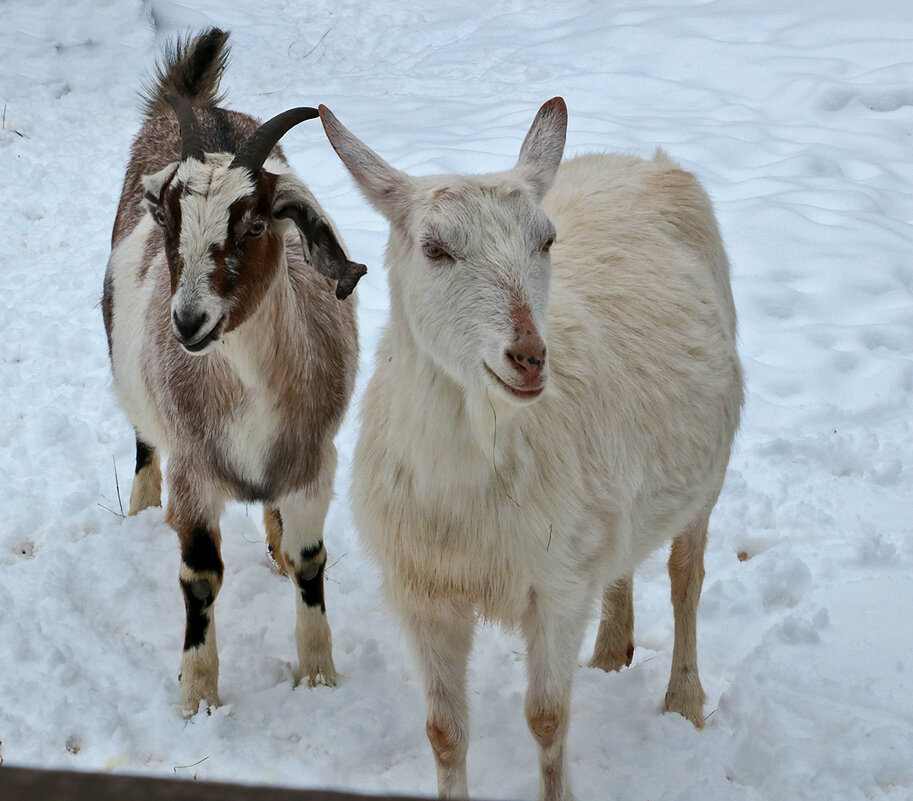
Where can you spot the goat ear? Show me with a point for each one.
(544, 145)
(386, 188)
(155, 183)
(321, 246)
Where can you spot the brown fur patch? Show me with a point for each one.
(544, 726)
(272, 521)
(246, 265)
(443, 743)
(171, 203)
(107, 307)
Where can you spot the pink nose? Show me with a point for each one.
(527, 354)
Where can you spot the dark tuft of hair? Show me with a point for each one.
(190, 66)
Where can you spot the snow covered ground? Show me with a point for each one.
(798, 117)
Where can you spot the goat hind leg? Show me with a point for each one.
(614, 647)
(147, 479)
(685, 694)
(272, 521)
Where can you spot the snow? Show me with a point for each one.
(798, 118)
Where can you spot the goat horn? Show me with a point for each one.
(191, 142)
(254, 151)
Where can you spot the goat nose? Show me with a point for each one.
(528, 355)
(188, 324)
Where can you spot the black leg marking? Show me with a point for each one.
(199, 555)
(198, 597)
(310, 583)
(308, 558)
(144, 454)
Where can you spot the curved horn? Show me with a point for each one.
(254, 151)
(191, 142)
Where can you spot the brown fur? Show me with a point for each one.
(272, 522)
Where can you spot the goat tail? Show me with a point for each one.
(191, 67)
(662, 159)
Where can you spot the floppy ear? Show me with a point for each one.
(386, 188)
(544, 145)
(318, 240)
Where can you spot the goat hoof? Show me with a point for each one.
(612, 660)
(687, 700)
(189, 709)
(326, 679)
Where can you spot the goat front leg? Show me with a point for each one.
(147, 479)
(685, 694)
(440, 636)
(195, 517)
(554, 634)
(615, 640)
(302, 516)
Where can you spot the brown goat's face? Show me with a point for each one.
(222, 244)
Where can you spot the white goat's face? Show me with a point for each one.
(472, 270)
(469, 257)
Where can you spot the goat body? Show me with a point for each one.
(229, 351)
(494, 476)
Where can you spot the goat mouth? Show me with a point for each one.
(201, 344)
(520, 394)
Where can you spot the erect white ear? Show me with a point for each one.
(154, 183)
(544, 145)
(386, 188)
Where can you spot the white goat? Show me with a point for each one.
(229, 352)
(494, 477)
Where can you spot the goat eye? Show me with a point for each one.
(547, 245)
(434, 252)
(158, 215)
(256, 228)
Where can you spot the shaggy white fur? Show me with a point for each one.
(477, 501)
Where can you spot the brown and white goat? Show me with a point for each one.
(229, 350)
(496, 477)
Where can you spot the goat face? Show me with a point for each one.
(469, 258)
(224, 219)
(220, 242)
(472, 270)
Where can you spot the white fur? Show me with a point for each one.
(472, 502)
(129, 337)
(254, 428)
